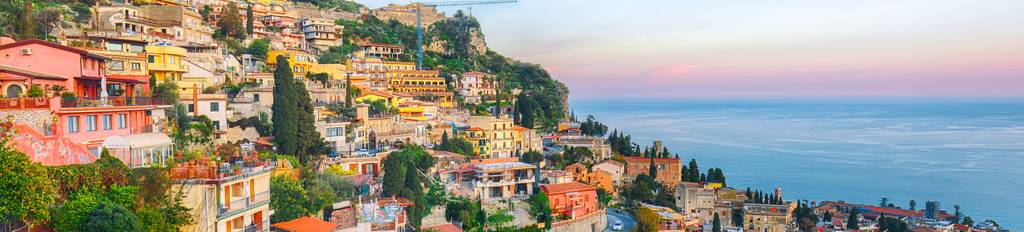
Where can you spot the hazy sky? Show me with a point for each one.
(743, 49)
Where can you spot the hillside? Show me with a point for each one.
(456, 45)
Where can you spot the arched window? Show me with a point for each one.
(14, 91)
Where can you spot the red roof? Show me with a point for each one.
(444, 228)
(633, 159)
(518, 127)
(567, 187)
(894, 212)
(53, 45)
(306, 224)
(474, 129)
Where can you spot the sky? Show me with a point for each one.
(682, 49)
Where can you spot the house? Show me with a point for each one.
(668, 169)
(29, 63)
(197, 78)
(578, 170)
(526, 139)
(503, 180)
(321, 33)
(225, 196)
(615, 168)
(670, 220)
(213, 106)
(694, 198)
(300, 62)
(382, 51)
(768, 217)
(603, 180)
(497, 136)
(127, 61)
(572, 199)
(476, 86)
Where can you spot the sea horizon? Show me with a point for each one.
(856, 150)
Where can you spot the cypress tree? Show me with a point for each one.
(653, 170)
(852, 222)
(28, 30)
(717, 227)
(248, 20)
(308, 138)
(284, 117)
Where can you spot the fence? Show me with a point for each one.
(72, 102)
(24, 103)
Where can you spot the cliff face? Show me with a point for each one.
(477, 44)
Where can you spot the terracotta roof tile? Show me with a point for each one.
(306, 224)
(566, 187)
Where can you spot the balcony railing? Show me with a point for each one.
(257, 226)
(245, 202)
(74, 102)
(24, 103)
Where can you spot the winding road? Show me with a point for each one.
(617, 215)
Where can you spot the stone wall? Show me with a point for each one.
(406, 15)
(35, 118)
(591, 223)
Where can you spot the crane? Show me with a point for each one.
(419, 19)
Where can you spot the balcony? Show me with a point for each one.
(24, 103)
(256, 226)
(244, 203)
(76, 102)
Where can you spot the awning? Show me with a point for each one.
(145, 140)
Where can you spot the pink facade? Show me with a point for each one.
(36, 62)
(90, 126)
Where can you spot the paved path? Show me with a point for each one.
(615, 215)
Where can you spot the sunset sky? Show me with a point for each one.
(766, 49)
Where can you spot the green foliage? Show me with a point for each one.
(531, 157)
(465, 211)
(205, 12)
(82, 12)
(75, 213)
(111, 217)
(325, 188)
(289, 199)
(310, 144)
(893, 224)
(167, 90)
(340, 5)
(716, 224)
(853, 221)
(248, 19)
(593, 128)
(35, 91)
(403, 178)
(647, 220)
(336, 54)
(319, 77)
(499, 220)
(230, 24)
(805, 218)
(284, 109)
(571, 155)
(260, 122)
(604, 197)
(455, 144)
(259, 47)
(26, 189)
(540, 208)
(641, 190)
(621, 143)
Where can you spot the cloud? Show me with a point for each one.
(671, 71)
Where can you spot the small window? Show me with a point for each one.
(216, 125)
(191, 108)
(116, 65)
(90, 123)
(256, 97)
(72, 124)
(214, 106)
(136, 66)
(122, 121)
(136, 48)
(107, 122)
(115, 47)
(152, 59)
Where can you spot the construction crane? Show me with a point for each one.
(419, 19)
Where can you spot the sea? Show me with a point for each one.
(967, 153)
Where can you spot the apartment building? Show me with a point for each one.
(225, 196)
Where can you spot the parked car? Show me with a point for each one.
(617, 226)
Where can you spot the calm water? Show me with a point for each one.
(971, 154)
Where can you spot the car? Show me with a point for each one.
(617, 226)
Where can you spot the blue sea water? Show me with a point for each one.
(966, 153)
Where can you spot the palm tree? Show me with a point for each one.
(57, 90)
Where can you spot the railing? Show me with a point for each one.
(261, 197)
(24, 103)
(73, 102)
(245, 202)
(257, 226)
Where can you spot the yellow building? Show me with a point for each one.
(424, 85)
(498, 136)
(300, 62)
(477, 137)
(335, 71)
(166, 63)
(236, 200)
(392, 100)
(197, 79)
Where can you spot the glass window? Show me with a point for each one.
(216, 125)
(72, 124)
(122, 121)
(170, 60)
(90, 123)
(116, 47)
(152, 59)
(116, 65)
(136, 66)
(191, 108)
(107, 122)
(136, 48)
(334, 131)
(256, 97)
(214, 106)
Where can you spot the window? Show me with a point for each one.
(334, 131)
(135, 48)
(122, 121)
(115, 47)
(191, 108)
(170, 60)
(136, 66)
(216, 125)
(214, 106)
(72, 124)
(117, 65)
(256, 97)
(152, 59)
(90, 123)
(107, 122)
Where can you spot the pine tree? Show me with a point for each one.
(284, 117)
(852, 222)
(694, 171)
(717, 227)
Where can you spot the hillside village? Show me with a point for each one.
(272, 115)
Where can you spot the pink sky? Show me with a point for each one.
(695, 49)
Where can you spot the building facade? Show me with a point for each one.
(668, 169)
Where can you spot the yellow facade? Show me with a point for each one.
(166, 63)
(300, 62)
(335, 71)
(498, 135)
(478, 138)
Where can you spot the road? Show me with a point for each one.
(615, 215)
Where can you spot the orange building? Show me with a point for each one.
(579, 171)
(603, 180)
(573, 199)
(668, 169)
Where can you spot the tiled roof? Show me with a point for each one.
(306, 224)
(444, 228)
(644, 159)
(566, 187)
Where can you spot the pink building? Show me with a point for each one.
(572, 199)
(82, 122)
(35, 62)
